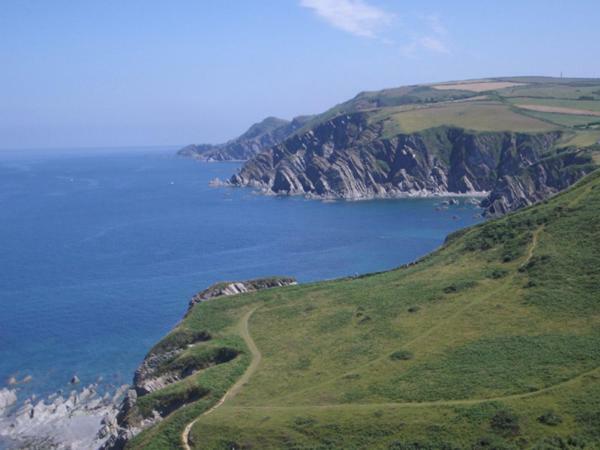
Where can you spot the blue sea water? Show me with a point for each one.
(100, 251)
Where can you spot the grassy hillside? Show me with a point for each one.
(499, 104)
(493, 341)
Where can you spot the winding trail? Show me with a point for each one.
(468, 401)
(244, 332)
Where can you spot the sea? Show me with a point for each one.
(101, 250)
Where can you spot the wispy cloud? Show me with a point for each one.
(432, 37)
(434, 44)
(435, 24)
(353, 16)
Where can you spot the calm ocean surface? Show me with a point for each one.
(100, 251)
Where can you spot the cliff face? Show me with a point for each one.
(347, 158)
(260, 136)
(536, 182)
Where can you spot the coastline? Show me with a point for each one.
(259, 188)
(58, 409)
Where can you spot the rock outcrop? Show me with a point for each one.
(7, 398)
(536, 182)
(239, 287)
(349, 158)
(260, 136)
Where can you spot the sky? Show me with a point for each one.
(107, 73)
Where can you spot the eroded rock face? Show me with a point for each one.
(536, 182)
(347, 158)
(239, 287)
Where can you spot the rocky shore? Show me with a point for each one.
(79, 420)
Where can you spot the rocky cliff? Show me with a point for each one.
(260, 136)
(182, 354)
(348, 157)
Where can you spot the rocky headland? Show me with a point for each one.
(260, 136)
(349, 157)
(166, 364)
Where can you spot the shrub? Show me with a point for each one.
(550, 418)
(492, 443)
(505, 423)
(401, 355)
(413, 309)
(497, 274)
(459, 286)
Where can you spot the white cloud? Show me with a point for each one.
(433, 44)
(353, 16)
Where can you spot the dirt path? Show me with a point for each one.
(473, 401)
(244, 332)
(534, 242)
(430, 331)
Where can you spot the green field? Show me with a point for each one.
(575, 104)
(493, 341)
(476, 116)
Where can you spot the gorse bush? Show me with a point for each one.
(505, 423)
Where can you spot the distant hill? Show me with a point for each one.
(514, 140)
(260, 136)
(491, 342)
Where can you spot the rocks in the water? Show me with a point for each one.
(75, 379)
(12, 381)
(217, 182)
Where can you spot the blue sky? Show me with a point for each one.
(119, 73)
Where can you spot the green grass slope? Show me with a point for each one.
(491, 342)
